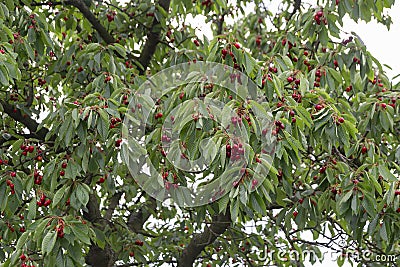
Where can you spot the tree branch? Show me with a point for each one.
(113, 204)
(27, 121)
(153, 38)
(219, 225)
(137, 219)
(83, 8)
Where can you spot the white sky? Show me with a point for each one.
(382, 44)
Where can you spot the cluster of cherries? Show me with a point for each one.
(114, 122)
(24, 259)
(41, 81)
(38, 177)
(225, 52)
(206, 3)
(107, 79)
(60, 229)
(139, 242)
(279, 125)
(64, 166)
(258, 40)
(125, 100)
(318, 76)
(238, 120)
(297, 97)
(43, 201)
(356, 60)
(14, 97)
(235, 152)
(110, 16)
(10, 183)
(319, 17)
(28, 149)
(268, 76)
(165, 138)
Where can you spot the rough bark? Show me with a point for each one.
(219, 225)
(27, 121)
(153, 38)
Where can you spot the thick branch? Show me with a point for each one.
(30, 123)
(153, 38)
(137, 219)
(113, 204)
(219, 224)
(99, 257)
(83, 8)
(93, 211)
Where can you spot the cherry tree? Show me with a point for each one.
(295, 124)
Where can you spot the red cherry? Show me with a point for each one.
(102, 180)
(295, 213)
(237, 45)
(341, 120)
(290, 79)
(47, 202)
(131, 254)
(118, 142)
(30, 149)
(64, 165)
(318, 107)
(196, 42)
(13, 174)
(322, 170)
(22, 257)
(383, 105)
(62, 173)
(364, 150)
(335, 62)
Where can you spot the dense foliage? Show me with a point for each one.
(68, 71)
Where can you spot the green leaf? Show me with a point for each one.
(223, 203)
(250, 63)
(294, 143)
(383, 233)
(29, 51)
(234, 209)
(58, 196)
(31, 209)
(22, 240)
(336, 75)
(81, 232)
(49, 241)
(82, 195)
(386, 174)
